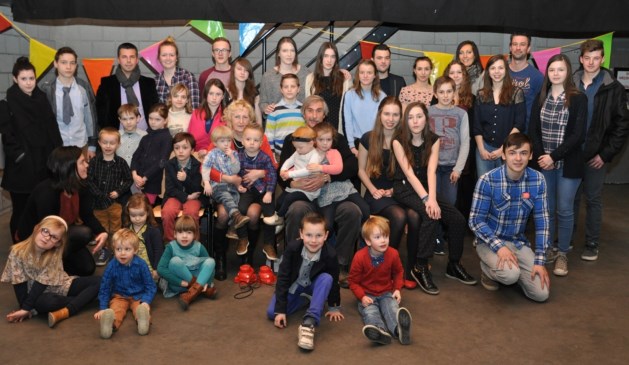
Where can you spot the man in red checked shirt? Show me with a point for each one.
(504, 199)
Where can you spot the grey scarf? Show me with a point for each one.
(128, 83)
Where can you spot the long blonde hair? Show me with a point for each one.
(28, 247)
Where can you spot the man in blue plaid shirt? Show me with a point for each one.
(503, 200)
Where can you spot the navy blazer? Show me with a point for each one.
(108, 100)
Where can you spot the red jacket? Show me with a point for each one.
(366, 279)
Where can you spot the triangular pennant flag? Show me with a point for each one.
(366, 48)
(97, 68)
(41, 56)
(150, 56)
(484, 59)
(247, 33)
(439, 63)
(210, 28)
(607, 47)
(4, 23)
(542, 57)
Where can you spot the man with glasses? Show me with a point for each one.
(221, 54)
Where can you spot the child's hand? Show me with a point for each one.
(113, 195)
(335, 316)
(154, 275)
(397, 296)
(280, 320)
(181, 175)
(202, 154)
(366, 301)
(269, 108)
(242, 189)
(268, 196)
(284, 175)
(229, 152)
(194, 196)
(314, 167)
(138, 180)
(184, 284)
(98, 314)
(18, 315)
(207, 188)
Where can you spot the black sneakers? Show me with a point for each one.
(456, 271)
(423, 277)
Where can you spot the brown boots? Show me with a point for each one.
(188, 297)
(57, 316)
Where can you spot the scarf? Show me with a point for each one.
(473, 72)
(128, 83)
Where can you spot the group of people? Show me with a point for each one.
(430, 158)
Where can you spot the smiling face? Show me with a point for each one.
(66, 65)
(390, 116)
(497, 71)
(456, 74)
(557, 72)
(128, 60)
(184, 238)
(26, 81)
(516, 159)
(124, 252)
(48, 238)
(81, 167)
(108, 143)
(466, 55)
(519, 47)
(366, 75)
(377, 241)
(313, 236)
(416, 120)
(168, 57)
(422, 71)
(138, 217)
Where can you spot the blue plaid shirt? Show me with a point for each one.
(181, 76)
(501, 208)
(261, 161)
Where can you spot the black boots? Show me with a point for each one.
(423, 277)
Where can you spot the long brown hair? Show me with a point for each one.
(204, 105)
(336, 76)
(466, 98)
(250, 92)
(375, 85)
(569, 87)
(376, 141)
(283, 40)
(507, 91)
(405, 137)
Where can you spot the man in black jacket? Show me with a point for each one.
(607, 130)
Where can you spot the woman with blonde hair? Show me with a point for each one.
(168, 57)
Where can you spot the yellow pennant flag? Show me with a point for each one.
(41, 56)
(439, 62)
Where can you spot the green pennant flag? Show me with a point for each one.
(607, 47)
(210, 28)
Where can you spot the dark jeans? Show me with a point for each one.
(82, 291)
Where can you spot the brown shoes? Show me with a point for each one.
(269, 251)
(57, 316)
(243, 246)
(210, 292)
(238, 220)
(188, 297)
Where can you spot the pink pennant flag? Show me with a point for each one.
(542, 57)
(150, 56)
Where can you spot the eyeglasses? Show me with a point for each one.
(221, 50)
(45, 232)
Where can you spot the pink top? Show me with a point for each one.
(335, 162)
(197, 128)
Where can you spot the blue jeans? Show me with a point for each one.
(592, 188)
(204, 274)
(445, 189)
(561, 193)
(223, 194)
(484, 166)
(382, 313)
(318, 289)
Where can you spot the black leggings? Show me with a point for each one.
(329, 211)
(77, 259)
(399, 216)
(82, 291)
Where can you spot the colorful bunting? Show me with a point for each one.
(542, 57)
(41, 56)
(366, 48)
(151, 57)
(97, 68)
(211, 28)
(439, 63)
(607, 47)
(247, 33)
(4, 23)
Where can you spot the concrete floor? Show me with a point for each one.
(585, 321)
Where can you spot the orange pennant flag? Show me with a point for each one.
(484, 59)
(97, 68)
(4, 23)
(366, 48)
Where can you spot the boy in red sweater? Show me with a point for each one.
(375, 278)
